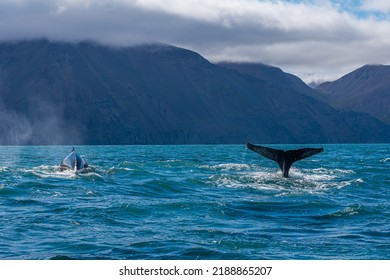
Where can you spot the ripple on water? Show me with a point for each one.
(208, 202)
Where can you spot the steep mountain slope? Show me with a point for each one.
(272, 75)
(366, 89)
(84, 93)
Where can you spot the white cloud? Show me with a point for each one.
(311, 38)
(381, 6)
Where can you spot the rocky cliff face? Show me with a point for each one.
(366, 89)
(84, 93)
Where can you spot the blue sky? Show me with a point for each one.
(364, 9)
(356, 7)
(315, 39)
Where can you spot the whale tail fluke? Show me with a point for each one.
(285, 159)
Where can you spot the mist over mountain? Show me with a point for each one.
(85, 93)
(366, 89)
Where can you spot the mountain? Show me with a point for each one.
(271, 75)
(366, 89)
(85, 93)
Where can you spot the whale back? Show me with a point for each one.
(73, 162)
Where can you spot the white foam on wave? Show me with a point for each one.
(4, 169)
(227, 166)
(349, 211)
(90, 174)
(258, 180)
(326, 179)
(328, 171)
(45, 171)
(300, 180)
(320, 174)
(126, 169)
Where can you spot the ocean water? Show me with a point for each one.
(194, 202)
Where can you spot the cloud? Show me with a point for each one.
(315, 39)
(376, 6)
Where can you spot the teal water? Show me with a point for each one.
(194, 202)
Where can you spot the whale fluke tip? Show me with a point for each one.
(284, 158)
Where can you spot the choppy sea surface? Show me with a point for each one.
(194, 202)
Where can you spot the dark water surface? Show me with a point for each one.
(194, 202)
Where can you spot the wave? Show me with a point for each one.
(54, 172)
(300, 180)
(356, 210)
(45, 171)
(4, 169)
(227, 166)
(350, 211)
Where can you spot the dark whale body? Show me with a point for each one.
(285, 159)
(73, 162)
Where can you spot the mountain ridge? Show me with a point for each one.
(366, 89)
(86, 93)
